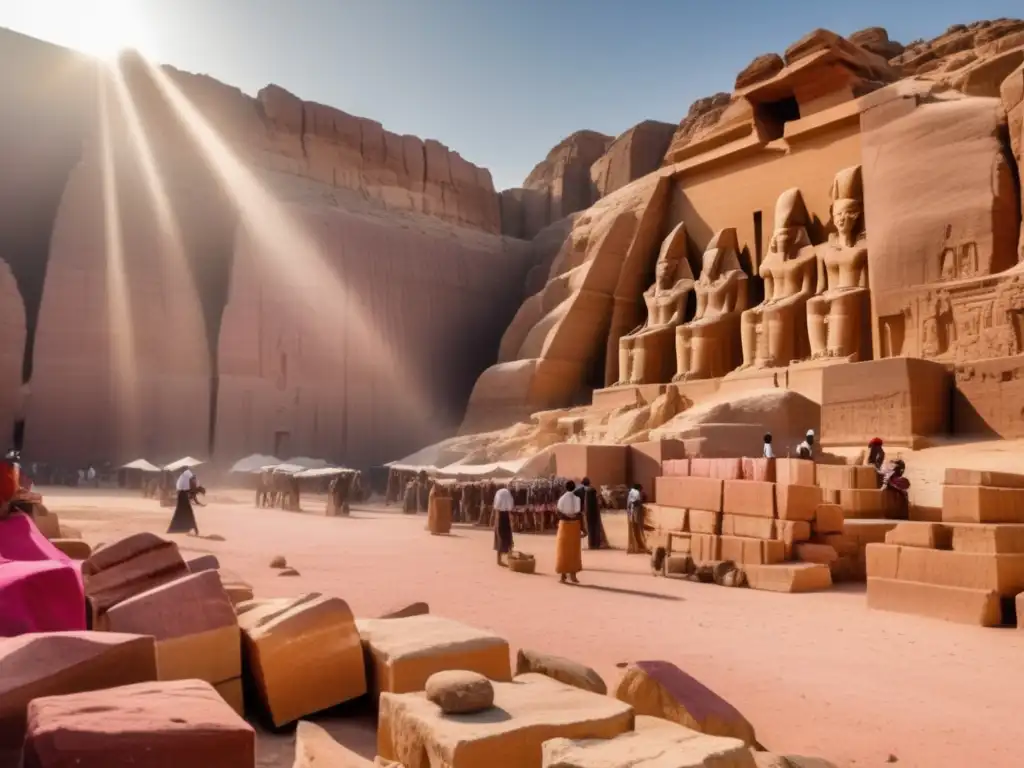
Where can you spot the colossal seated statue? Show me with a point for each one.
(774, 332)
(707, 347)
(645, 354)
(838, 319)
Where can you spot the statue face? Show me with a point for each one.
(784, 239)
(845, 214)
(665, 272)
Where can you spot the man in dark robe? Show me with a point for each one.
(591, 514)
(184, 519)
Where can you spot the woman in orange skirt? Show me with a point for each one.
(568, 549)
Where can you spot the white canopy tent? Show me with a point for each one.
(142, 465)
(188, 462)
(307, 463)
(254, 463)
(323, 472)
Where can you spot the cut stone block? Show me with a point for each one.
(661, 689)
(405, 652)
(751, 498)
(203, 563)
(304, 655)
(656, 745)
(789, 577)
(533, 709)
(60, 663)
(926, 535)
(233, 693)
(703, 493)
(752, 551)
(815, 553)
(868, 531)
(843, 476)
(983, 477)
(76, 549)
(702, 521)
(1002, 574)
(561, 669)
(759, 469)
(315, 748)
(789, 532)
(999, 539)
(841, 543)
(238, 589)
(704, 549)
(866, 503)
(797, 502)
(795, 472)
(882, 560)
(195, 626)
(829, 518)
(130, 566)
(965, 606)
(158, 725)
(749, 527)
(981, 504)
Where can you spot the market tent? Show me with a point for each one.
(323, 472)
(188, 461)
(284, 469)
(142, 465)
(254, 463)
(307, 463)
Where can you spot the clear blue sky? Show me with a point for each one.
(500, 81)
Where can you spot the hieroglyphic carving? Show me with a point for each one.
(847, 422)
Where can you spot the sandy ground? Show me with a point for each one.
(817, 674)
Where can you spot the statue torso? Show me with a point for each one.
(844, 265)
(789, 274)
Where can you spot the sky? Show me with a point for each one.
(499, 81)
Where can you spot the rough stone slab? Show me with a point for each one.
(704, 493)
(744, 551)
(130, 566)
(809, 552)
(702, 521)
(867, 531)
(789, 577)
(304, 655)
(865, 502)
(925, 535)
(829, 518)
(1003, 574)
(661, 689)
(527, 712)
(795, 472)
(843, 476)
(561, 669)
(157, 725)
(797, 502)
(60, 663)
(404, 611)
(657, 745)
(754, 498)
(981, 504)
(965, 606)
(789, 532)
(749, 527)
(983, 478)
(203, 563)
(233, 694)
(405, 652)
(882, 560)
(315, 748)
(1008, 539)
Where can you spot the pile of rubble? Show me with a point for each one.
(159, 681)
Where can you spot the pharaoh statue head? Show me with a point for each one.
(848, 204)
(721, 256)
(791, 221)
(673, 263)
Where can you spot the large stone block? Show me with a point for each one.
(999, 573)
(1008, 539)
(647, 462)
(130, 566)
(926, 535)
(564, 670)
(789, 577)
(163, 725)
(661, 689)
(603, 464)
(659, 744)
(981, 504)
(704, 493)
(988, 479)
(839, 476)
(60, 663)
(751, 498)
(194, 623)
(315, 748)
(797, 502)
(900, 400)
(966, 606)
(304, 655)
(527, 712)
(403, 653)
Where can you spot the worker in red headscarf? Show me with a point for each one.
(876, 456)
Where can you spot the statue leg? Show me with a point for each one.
(748, 336)
(624, 371)
(683, 353)
(780, 337)
(844, 322)
(638, 367)
(817, 333)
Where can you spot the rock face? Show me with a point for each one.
(144, 240)
(563, 177)
(635, 153)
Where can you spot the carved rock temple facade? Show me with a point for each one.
(854, 231)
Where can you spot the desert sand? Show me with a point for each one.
(817, 674)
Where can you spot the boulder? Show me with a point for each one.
(59, 663)
(130, 566)
(159, 725)
(412, 609)
(194, 624)
(404, 653)
(203, 563)
(460, 692)
(532, 708)
(661, 689)
(561, 669)
(278, 561)
(303, 655)
(761, 68)
(656, 745)
(315, 748)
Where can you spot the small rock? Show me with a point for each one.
(892, 759)
(287, 572)
(460, 692)
(278, 561)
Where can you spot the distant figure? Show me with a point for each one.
(769, 452)
(591, 507)
(90, 475)
(81, 477)
(568, 552)
(806, 449)
(184, 519)
(876, 455)
(503, 506)
(635, 512)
